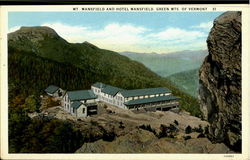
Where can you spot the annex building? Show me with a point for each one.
(80, 103)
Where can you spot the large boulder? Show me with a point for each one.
(220, 80)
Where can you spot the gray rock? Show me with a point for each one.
(220, 80)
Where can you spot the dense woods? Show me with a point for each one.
(40, 134)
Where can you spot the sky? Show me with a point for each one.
(143, 32)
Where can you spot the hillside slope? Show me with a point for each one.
(187, 81)
(38, 57)
(44, 42)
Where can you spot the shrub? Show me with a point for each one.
(109, 136)
(121, 125)
(32, 104)
(93, 123)
(187, 137)
(109, 111)
(201, 135)
(199, 130)
(188, 129)
(176, 122)
(148, 128)
(167, 131)
(163, 132)
(172, 128)
(206, 131)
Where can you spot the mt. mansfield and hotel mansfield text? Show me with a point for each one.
(147, 9)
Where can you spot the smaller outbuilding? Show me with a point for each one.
(80, 109)
(81, 103)
(54, 91)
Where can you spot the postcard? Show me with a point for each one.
(125, 82)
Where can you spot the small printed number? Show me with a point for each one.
(229, 156)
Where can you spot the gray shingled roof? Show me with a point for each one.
(81, 95)
(99, 85)
(143, 92)
(111, 90)
(51, 89)
(150, 100)
(76, 104)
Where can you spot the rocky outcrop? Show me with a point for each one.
(220, 80)
(33, 33)
(141, 141)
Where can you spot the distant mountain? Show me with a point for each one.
(185, 53)
(171, 63)
(39, 57)
(187, 81)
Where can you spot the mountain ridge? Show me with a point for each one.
(187, 81)
(170, 54)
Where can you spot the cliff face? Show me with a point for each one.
(220, 80)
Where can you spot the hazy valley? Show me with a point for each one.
(181, 68)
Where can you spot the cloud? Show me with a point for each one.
(111, 34)
(65, 29)
(119, 34)
(178, 35)
(205, 25)
(70, 33)
(129, 37)
(13, 29)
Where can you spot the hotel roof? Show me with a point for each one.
(81, 95)
(143, 92)
(151, 100)
(111, 90)
(99, 85)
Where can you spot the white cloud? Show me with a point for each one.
(177, 35)
(118, 34)
(205, 25)
(68, 32)
(111, 34)
(65, 29)
(128, 37)
(13, 29)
